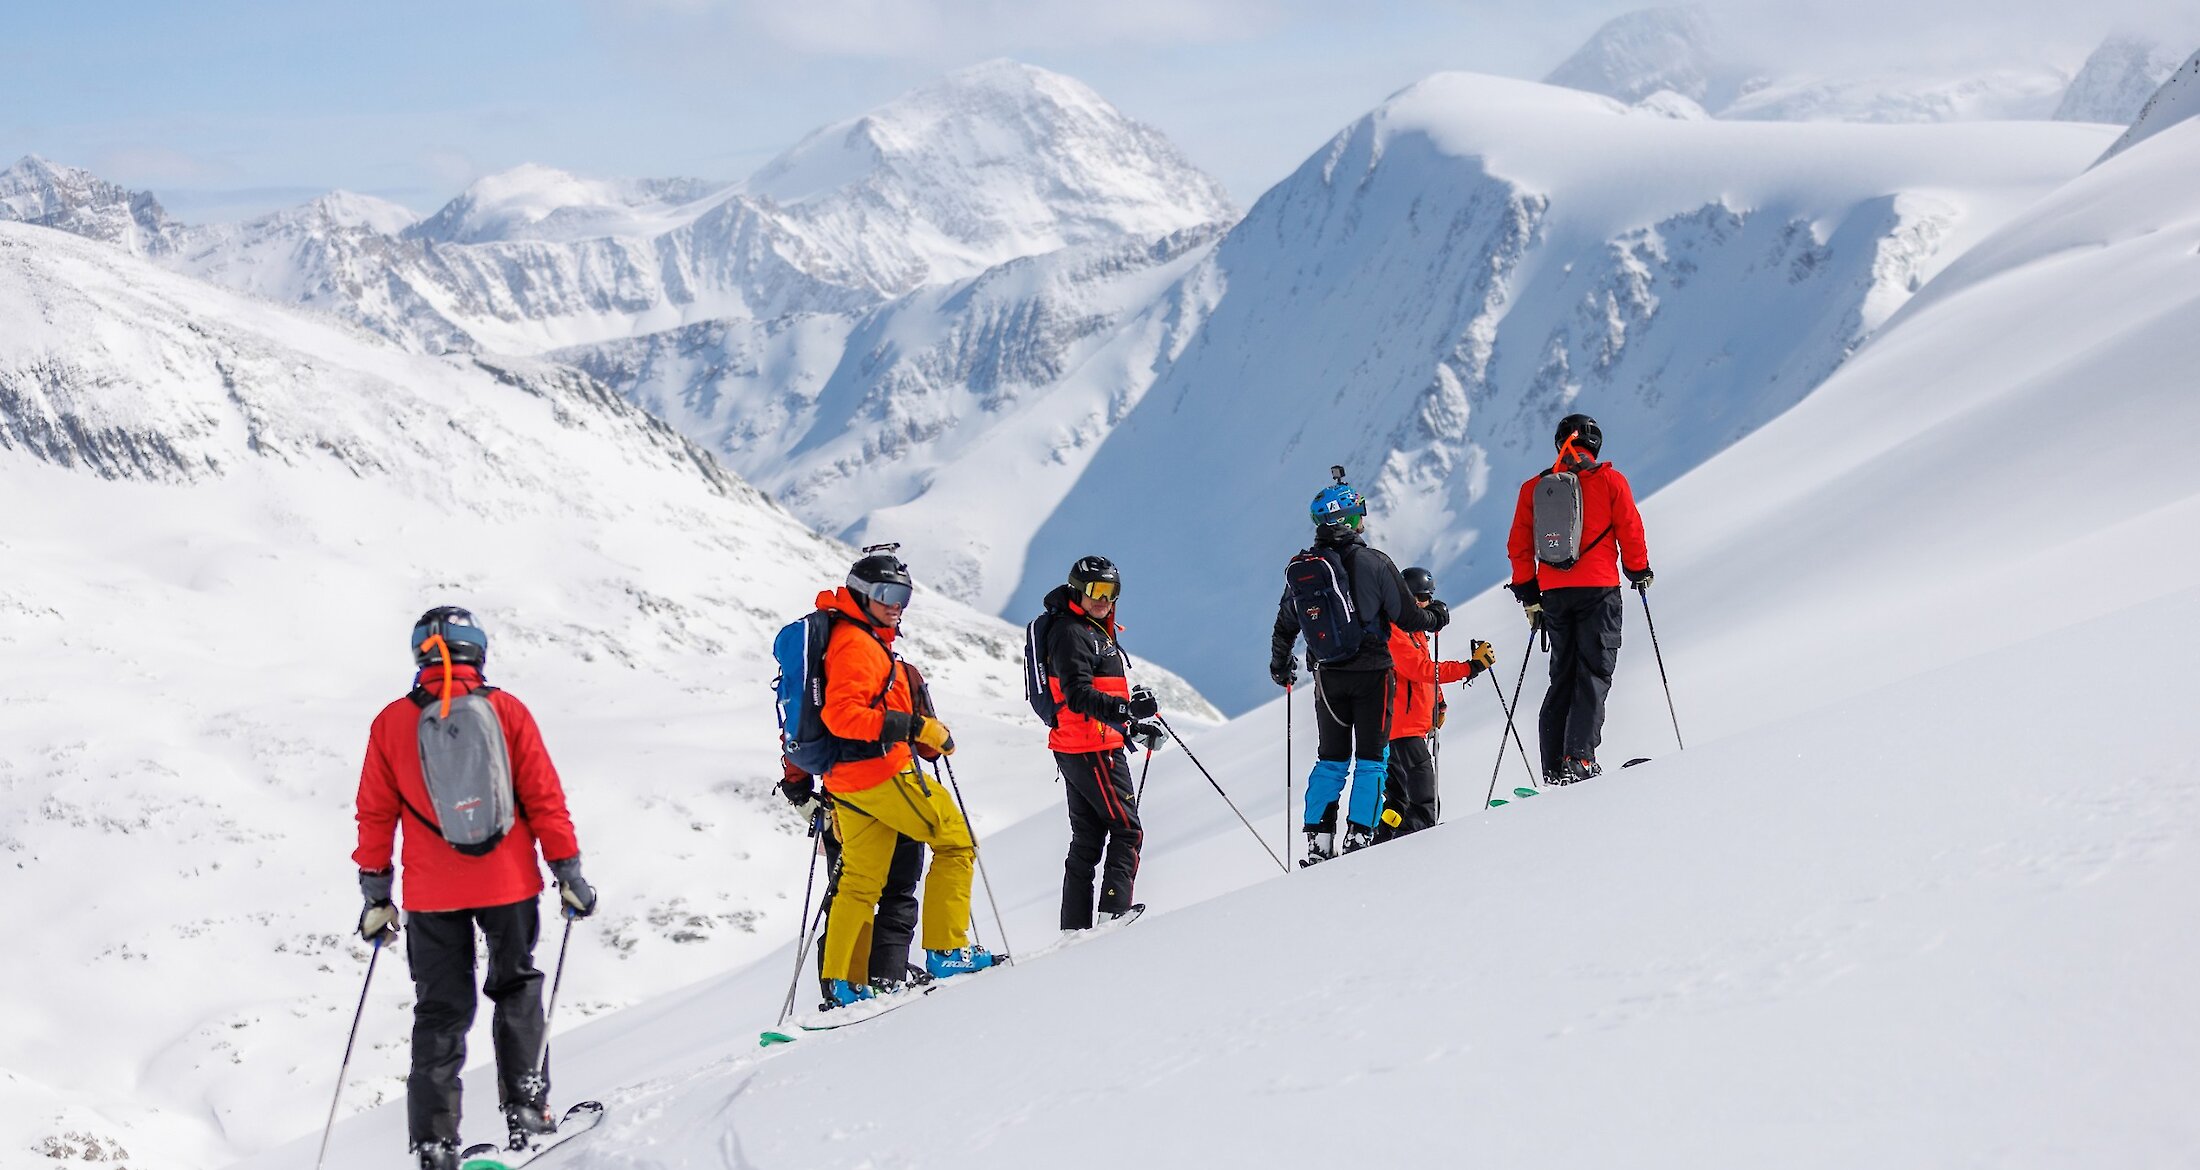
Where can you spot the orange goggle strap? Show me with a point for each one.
(435, 642)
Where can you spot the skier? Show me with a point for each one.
(1566, 557)
(877, 790)
(883, 958)
(1096, 709)
(1351, 689)
(1416, 710)
(450, 889)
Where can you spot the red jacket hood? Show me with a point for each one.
(849, 606)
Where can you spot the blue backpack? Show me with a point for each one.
(800, 649)
(1321, 597)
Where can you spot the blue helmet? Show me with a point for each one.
(1339, 504)
(467, 641)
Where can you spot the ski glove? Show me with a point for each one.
(1483, 656)
(1284, 671)
(1439, 615)
(1641, 580)
(573, 890)
(933, 734)
(1143, 704)
(378, 919)
(1529, 592)
(1148, 736)
(1535, 615)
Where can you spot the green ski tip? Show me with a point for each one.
(763, 1040)
(1523, 793)
(482, 1164)
(1499, 802)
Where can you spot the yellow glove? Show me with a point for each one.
(1483, 655)
(934, 734)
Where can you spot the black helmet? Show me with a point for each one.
(463, 637)
(881, 576)
(1420, 582)
(1588, 436)
(1097, 578)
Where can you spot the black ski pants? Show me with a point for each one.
(1351, 714)
(439, 948)
(894, 926)
(1410, 789)
(1103, 821)
(1584, 627)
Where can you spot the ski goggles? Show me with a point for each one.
(893, 594)
(1103, 590)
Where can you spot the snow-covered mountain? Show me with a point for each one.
(1423, 298)
(1639, 56)
(228, 514)
(1901, 902)
(2176, 102)
(2116, 81)
(993, 163)
(1654, 50)
(73, 200)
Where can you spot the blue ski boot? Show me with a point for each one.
(960, 961)
(841, 993)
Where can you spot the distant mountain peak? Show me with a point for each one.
(533, 201)
(1637, 54)
(2116, 80)
(71, 199)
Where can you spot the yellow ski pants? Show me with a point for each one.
(867, 822)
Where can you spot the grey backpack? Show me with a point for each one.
(1558, 513)
(467, 770)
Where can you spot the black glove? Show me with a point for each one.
(1148, 736)
(1283, 670)
(1529, 592)
(1641, 580)
(1439, 615)
(1143, 704)
(573, 890)
(378, 920)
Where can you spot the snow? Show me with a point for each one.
(1637, 54)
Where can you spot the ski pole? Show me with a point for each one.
(1533, 779)
(1287, 774)
(541, 1079)
(344, 1069)
(1517, 684)
(1007, 955)
(1225, 796)
(802, 940)
(1140, 799)
(1645, 595)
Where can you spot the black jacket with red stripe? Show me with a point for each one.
(1089, 676)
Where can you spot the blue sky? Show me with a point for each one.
(227, 106)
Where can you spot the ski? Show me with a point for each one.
(578, 1120)
(842, 1017)
(1636, 760)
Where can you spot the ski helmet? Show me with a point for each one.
(1339, 504)
(1587, 435)
(1097, 578)
(881, 576)
(467, 642)
(1420, 582)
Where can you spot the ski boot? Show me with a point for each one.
(959, 961)
(436, 1155)
(911, 976)
(840, 993)
(1320, 847)
(1573, 771)
(1358, 837)
(524, 1122)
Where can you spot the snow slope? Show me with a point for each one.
(1424, 298)
(226, 516)
(1907, 901)
(2174, 104)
